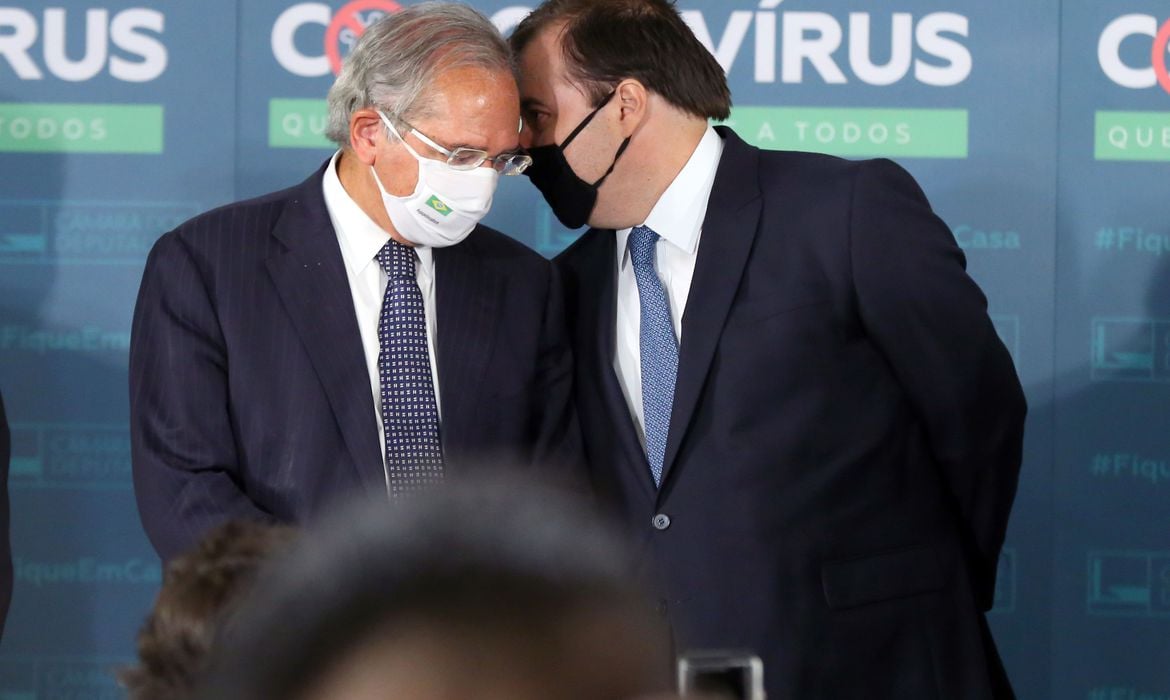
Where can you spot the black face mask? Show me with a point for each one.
(571, 198)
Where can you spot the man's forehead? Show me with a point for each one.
(542, 69)
(473, 114)
(475, 80)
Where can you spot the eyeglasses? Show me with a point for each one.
(464, 158)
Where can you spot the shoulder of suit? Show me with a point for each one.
(806, 163)
(800, 173)
(254, 216)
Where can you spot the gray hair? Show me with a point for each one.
(397, 59)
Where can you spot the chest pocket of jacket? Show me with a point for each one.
(765, 309)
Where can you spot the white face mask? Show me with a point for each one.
(446, 203)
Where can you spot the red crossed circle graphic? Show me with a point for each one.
(1161, 48)
(349, 18)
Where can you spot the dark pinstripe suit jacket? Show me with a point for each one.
(249, 390)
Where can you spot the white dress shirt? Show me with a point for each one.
(361, 239)
(677, 218)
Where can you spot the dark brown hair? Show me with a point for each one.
(199, 590)
(607, 41)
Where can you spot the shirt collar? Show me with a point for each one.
(678, 215)
(360, 237)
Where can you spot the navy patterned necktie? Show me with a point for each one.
(410, 414)
(659, 348)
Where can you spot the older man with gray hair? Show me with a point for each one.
(360, 331)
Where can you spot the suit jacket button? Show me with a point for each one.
(661, 521)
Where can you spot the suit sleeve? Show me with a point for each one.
(186, 476)
(558, 437)
(930, 320)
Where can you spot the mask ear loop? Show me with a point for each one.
(621, 149)
(394, 130)
(586, 121)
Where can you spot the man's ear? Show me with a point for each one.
(633, 98)
(365, 126)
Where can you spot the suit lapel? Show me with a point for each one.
(310, 278)
(601, 314)
(467, 300)
(733, 214)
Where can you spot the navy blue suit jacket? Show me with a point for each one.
(250, 394)
(845, 438)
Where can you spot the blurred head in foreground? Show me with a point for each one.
(480, 590)
(200, 590)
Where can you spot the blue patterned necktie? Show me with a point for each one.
(659, 349)
(410, 415)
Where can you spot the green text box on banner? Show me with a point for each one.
(80, 128)
(297, 124)
(856, 132)
(1132, 136)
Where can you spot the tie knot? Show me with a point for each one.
(397, 260)
(641, 243)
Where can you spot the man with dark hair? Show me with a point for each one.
(788, 384)
(361, 331)
(476, 590)
(201, 589)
